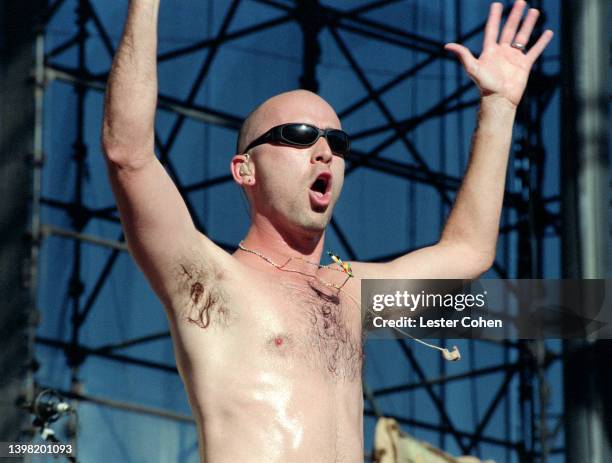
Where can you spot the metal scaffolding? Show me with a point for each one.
(531, 216)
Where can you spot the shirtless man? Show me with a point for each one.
(268, 343)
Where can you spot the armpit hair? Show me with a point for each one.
(201, 299)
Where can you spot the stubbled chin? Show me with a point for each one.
(311, 221)
(320, 219)
(303, 217)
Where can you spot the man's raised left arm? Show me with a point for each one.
(467, 245)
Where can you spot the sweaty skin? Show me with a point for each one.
(273, 356)
(269, 350)
(276, 372)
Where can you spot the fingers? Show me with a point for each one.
(509, 34)
(527, 27)
(492, 27)
(540, 45)
(514, 18)
(467, 59)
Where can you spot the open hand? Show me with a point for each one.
(502, 69)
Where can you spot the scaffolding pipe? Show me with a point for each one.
(585, 196)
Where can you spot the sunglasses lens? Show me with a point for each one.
(338, 141)
(300, 134)
(306, 135)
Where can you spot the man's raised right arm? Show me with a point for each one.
(157, 225)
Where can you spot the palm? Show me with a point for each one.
(502, 70)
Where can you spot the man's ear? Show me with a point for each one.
(243, 170)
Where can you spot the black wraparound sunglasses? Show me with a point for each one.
(300, 134)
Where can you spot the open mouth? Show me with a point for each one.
(320, 191)
(322, 184)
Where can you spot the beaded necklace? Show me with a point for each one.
(345, 267)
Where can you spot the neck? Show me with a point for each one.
(278, 244)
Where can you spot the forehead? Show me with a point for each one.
(297, 107)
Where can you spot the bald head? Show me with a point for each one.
(293, 106)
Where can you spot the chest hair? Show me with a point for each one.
(329, 327)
